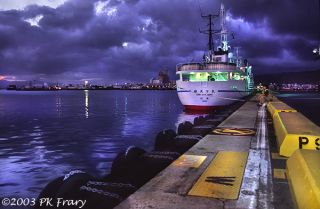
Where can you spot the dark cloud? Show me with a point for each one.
(291, 17)
(70, 16)
(292, 26)
(132, 40)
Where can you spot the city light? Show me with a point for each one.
(316, 51)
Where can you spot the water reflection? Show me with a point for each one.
(126, 104)
(58, 105)
(86, 103)
(44, 135)
(116, 104)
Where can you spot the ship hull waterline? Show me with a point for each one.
(206, 96)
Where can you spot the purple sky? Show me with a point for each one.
(131, 40)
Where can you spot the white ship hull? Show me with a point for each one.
(210, 95)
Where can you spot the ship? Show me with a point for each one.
(221, 78)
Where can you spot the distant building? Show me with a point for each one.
(154, 81)
(12, 87)
(162, 78)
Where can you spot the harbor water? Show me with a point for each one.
(46, 134)
(306, 103)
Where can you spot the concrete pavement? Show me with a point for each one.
(171, 187)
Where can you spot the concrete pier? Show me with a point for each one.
(192, 180)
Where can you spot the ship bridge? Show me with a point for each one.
(200, 72)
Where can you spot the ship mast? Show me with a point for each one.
(238, 58)
(210, 43)
(224, 32)
(210, 31)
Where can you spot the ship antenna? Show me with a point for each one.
(200, 8)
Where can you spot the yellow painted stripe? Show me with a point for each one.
(279, 173)
(276, 107)
(234, 131)
(276, 156)
(193, 161)
(223, 177)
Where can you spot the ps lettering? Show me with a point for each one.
(303, 141)
(317, 143)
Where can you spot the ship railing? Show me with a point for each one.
(189, 66)
(206, 66)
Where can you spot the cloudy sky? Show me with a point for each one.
(131, 40)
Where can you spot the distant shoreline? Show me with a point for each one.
(166, 89)
(299, 91)
(155, 89)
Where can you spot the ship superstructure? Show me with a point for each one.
(221, 78)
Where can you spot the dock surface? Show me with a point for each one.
(229, 170)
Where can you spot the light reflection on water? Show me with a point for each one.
(46, 134)
(86, 103)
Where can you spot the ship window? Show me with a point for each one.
(235, 76)
(185, 77)
(218, 76)
(196, 77)
(217, 59)
(205, 76)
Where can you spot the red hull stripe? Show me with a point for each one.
(201, 108)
